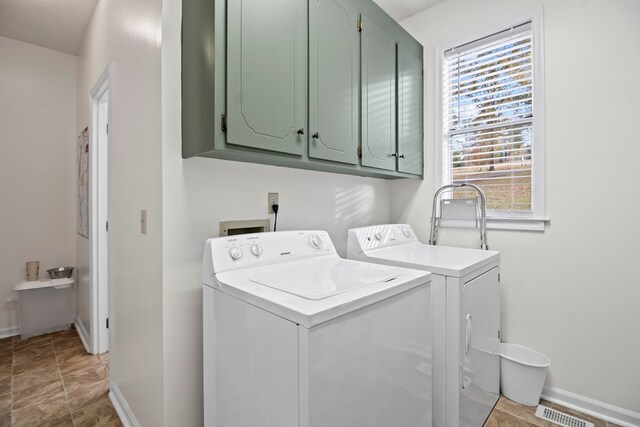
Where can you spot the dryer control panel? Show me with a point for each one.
(251, 250)
(379, 236)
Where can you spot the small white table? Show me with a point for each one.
(45, 306)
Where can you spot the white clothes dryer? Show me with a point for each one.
(465, 317)
(294, 335)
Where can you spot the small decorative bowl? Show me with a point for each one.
(60, 272)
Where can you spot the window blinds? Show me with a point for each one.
(488, 105)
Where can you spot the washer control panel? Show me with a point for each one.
(249, 250)
(379, 236)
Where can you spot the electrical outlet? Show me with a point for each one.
(272, 199)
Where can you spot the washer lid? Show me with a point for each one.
(313, 291)
(442, 260)
(319, 281)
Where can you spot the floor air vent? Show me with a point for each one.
(560, 418)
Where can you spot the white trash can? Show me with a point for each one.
(522, 373)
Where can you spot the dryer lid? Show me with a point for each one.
(443, 260)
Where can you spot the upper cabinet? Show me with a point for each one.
(410, 115)
(332, 85)
(334, 81)
(266, 74)
(378, 96)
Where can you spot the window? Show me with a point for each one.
(489, 118)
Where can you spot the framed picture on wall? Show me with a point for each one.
(83, 183)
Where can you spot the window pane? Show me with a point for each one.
(488, 102)
(498, 160)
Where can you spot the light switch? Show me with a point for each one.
(143, 221)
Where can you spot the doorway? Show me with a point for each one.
(99, 202)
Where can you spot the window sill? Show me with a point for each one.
(502, 223)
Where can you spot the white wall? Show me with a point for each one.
(571, 292)
(37, 164)
(198, 193)
(128, 34)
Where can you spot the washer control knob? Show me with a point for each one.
(406, 231)
(378, 236)
(235, 252)
(256, 249)
(315, 241)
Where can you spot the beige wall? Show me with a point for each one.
(198, 193)
(128, 34)
(571, 292)
(37, 165)
(568, 292)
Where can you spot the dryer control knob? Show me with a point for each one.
(406, 231)
(315, 241)
(256, 249)
(378, 236)
(235, 252)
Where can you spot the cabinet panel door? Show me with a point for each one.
(266, 70)
(378, 97)
(333, 80)
(480, 359)
(410, 115)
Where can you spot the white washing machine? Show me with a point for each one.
(465, 294)
(294, 335)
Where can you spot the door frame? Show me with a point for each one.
(98, 181)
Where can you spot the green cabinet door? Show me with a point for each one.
(266, 74)
(333, 80)
(378, 97)
(410, 114)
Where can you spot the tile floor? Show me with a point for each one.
(50, 380)
(512, 414)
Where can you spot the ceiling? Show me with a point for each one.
(401, 9)
(55, 24)
(60, 24)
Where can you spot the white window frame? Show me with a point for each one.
(536, 219)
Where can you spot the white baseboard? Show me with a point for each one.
(122, 408)
(10, 331)
(84, 336)
(592, 407)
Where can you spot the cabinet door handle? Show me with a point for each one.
(401, 156)
(301, 131)
(394, 154)
(315, 136)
